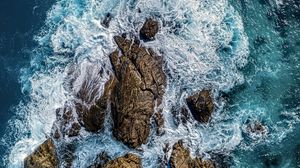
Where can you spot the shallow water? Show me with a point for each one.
(245, 51)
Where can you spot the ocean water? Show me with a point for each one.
(246, 51)
(20, 21)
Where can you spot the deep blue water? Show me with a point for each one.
(20, 20)
(273, 81)
(270, 93)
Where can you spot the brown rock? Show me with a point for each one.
(43, 157)
(180, 158)
(93, 117)
(201, 105)
(140, 84)
(127, 161)
(149, 29)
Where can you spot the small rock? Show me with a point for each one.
(127, 161)
(149, 30)
(56, 134)
(201, 105)
(257, 129)
(43, 157)
(74, 130)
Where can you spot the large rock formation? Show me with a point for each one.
(180, 158)
(140, 84)
(149, 29)
(127, 161)
(201, 105)
(43, 157)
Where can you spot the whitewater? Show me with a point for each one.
(202, 42)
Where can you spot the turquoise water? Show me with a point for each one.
(247, 51)
(271, 91)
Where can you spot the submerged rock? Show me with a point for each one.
(201, 105)
(43, 157)
(100, 161)
(149, 29)
(180, 158)
(106, 20)
(127, 161)
(139, 87)
(256, 130)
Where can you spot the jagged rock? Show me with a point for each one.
(180, 158)
(201, 105)
(56, 134)
(43, 157)
(149, 29)
(106, 20)
(140, 85)
(93, 117)
(159, 121)
(127, 161)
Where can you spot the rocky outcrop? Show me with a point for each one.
(149, 30)
(180, 158)
(127, 161)
(139, 87)
(43, 157)
(201, 105)
(256, 129)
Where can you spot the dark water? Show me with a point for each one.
(20, 20)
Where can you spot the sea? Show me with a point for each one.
(246, 51)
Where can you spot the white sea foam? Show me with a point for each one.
(192, 33)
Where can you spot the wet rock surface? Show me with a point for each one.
(127, 161)
(149, 29)
(201, 105)
(43, 157)
(92, 119)
(140, 85)
(180, 158)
